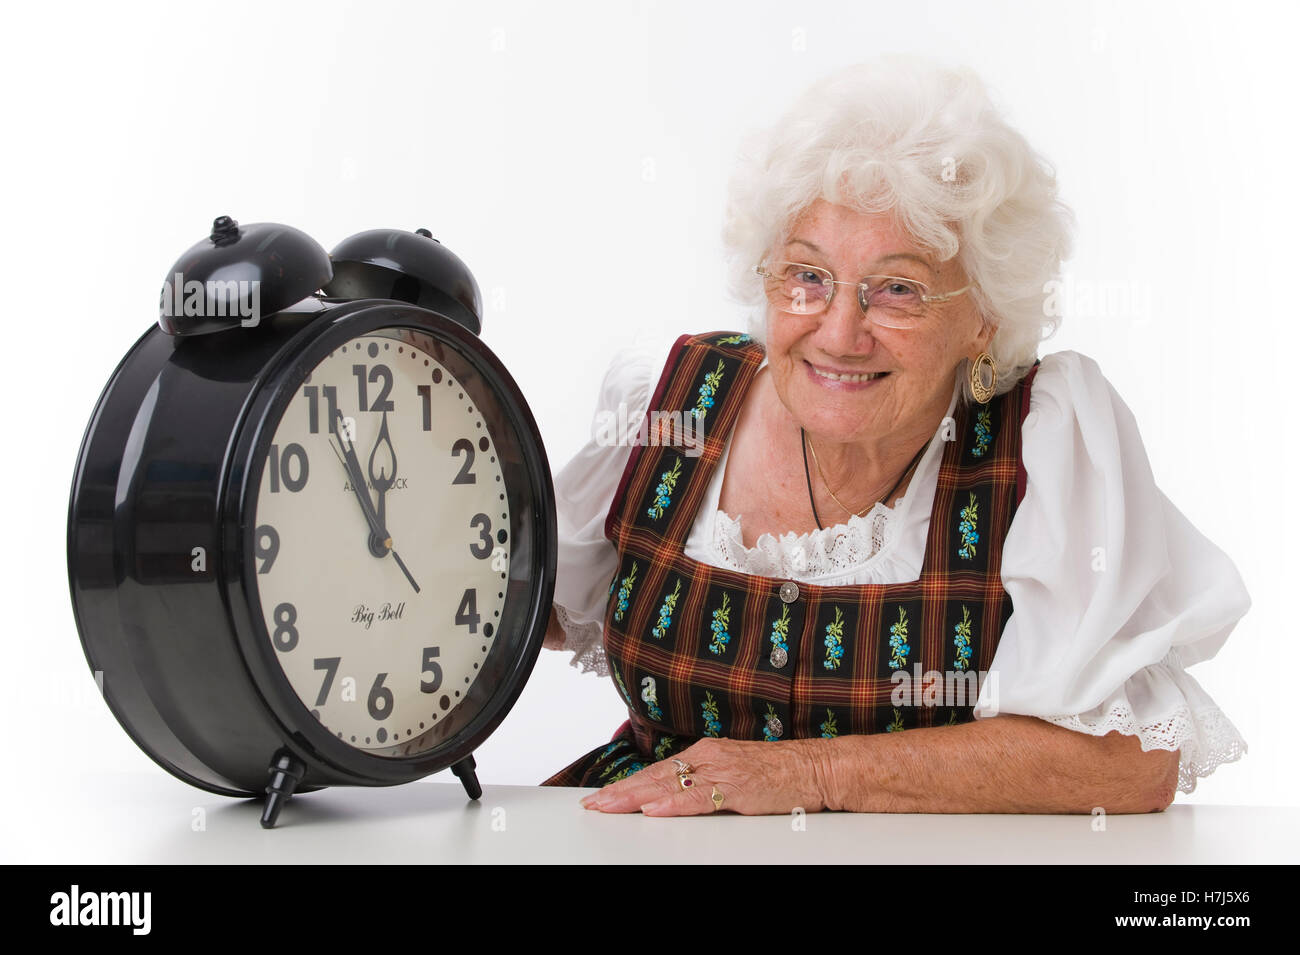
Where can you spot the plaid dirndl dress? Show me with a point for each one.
(696, 650)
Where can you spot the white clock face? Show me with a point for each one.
(382, 542)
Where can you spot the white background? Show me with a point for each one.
(586, 146)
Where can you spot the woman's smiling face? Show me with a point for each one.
(805, 351)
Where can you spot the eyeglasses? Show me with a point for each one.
(894, 302)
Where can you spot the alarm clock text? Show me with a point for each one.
(365, 616)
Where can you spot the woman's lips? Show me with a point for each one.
(842, 381)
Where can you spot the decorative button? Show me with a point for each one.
(774, 726)
(789, 591)
(779, 657)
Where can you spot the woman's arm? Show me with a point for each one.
(1007, 763)
(1004, 764)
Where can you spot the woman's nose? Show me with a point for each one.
(844, 325)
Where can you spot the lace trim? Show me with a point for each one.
(1204, 735)
(587, 643)
(821, 553)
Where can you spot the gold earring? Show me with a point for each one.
(981, 391)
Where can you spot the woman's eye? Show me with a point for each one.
(900, 290)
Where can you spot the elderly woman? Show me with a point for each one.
(909, 566)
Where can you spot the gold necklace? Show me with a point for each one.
(862, 512)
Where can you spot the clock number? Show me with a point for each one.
(282, 470)
(331, 666)
(313, 407)
(285, 636)
(484, 536)
(467, 613)
(380, 694)
(431, 665)
(272, 549)
(426, 402)
(465, 446)
(379, 372)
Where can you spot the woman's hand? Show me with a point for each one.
(754, 778)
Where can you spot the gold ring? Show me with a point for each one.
(682, 767)
(717, 799)
(686, 780)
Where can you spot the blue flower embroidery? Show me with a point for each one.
(967, 529)
(962, 640)
(651, 699)
(624, 592)
(834, 641)
(664, 492)
(712, 725)
(707, 390)
(768, 735)
(781, 629)
(896, 725)
(660, 629)
(898, 645)
(983, 433)
(829, 728)
(721, 620)
(733, 340)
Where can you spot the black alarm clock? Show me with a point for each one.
(311, 535)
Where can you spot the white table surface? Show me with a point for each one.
(153, 818)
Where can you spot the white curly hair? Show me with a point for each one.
(902, 135)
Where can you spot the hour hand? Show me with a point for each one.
(381, 544)
(378, 536)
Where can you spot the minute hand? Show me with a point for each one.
(353, 467)
(378, 531)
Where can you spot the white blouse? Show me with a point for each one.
(1114, 591)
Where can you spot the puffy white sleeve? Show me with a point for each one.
(1115, 593)
(584, 490)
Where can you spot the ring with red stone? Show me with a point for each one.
(684, 777)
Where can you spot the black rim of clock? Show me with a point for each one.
(298, 358)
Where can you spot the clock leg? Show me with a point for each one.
(286, 773)
(464, 771)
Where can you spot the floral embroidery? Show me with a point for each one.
(769, 716)
(898, 645)
(721, 620)
(828, 728)
(712, 725)
(651, 699)
(834, 641)
(666, 613)
(732, 340)
(664, 492)
(624, 592)
(707, 390)
(626, 771)
(983, 433)
(664, 747)
(781, 629)
(609, 749)
(615, 762)
(897, 724)
(952, 718)
(618, 679)
(969, 521)
(962, 640)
